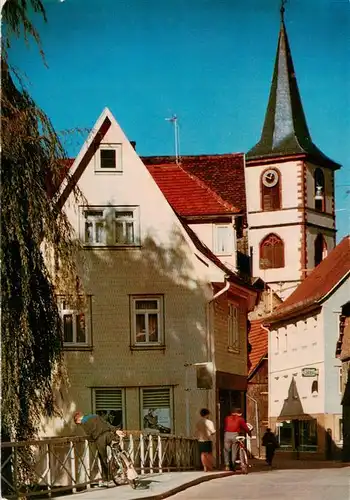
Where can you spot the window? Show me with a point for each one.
(319, 190)
(111, 226)
(320, 249)
(271, 252)
(223, 240)
(109, 404)
(156, 410)
(341, 381)
(314, 387)
(147, 320)
(109, 158)
(233, 327)
(341, 429)
(270, 190)
(75, 322)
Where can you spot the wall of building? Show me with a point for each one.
(258, 391)
(292, 347)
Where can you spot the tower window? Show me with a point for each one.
(320, 249)
(270, 186)
(319, 194)
(271, 252)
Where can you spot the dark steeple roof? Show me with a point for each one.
(285, 131)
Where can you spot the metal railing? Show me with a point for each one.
(48, 466)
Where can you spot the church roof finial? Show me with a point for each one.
(285, 131)
(282, 9)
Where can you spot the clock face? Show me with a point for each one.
(270, 178)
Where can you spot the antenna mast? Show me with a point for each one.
(173, 120)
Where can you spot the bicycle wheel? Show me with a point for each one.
(244, 460)
(129, 469)
(115, 467)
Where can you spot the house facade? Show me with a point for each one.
(289, 186)
(163, 329)
(343, 353)
(304, 374)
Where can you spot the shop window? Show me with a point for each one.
(271, 252)
(109, 404)
(308, 435)
(156, 410)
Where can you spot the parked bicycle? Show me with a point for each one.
(120, 466)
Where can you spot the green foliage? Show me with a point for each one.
(38, 251)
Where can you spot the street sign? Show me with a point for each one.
(309, 372)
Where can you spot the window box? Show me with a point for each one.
(147, 321)
(116, 226)
(108, 159)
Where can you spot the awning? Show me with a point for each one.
(303, 416)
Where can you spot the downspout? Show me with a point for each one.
(256, 422)
(211, 357)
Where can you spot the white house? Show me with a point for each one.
(158, 300)
(304, 373)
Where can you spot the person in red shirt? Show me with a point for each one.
(234, 425)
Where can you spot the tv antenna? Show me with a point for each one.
(173, 119)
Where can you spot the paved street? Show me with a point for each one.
(309, 484)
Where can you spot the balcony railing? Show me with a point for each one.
(48, 466)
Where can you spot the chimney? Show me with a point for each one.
(133, 143)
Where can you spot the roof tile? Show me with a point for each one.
(258, 339)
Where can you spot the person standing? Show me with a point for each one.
(205, 431)
(102, 433)
(234, 425)
(269, 440)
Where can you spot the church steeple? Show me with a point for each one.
(285, 131)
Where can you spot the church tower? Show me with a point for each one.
(290, 186)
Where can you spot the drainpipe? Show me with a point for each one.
(256, 422)
(210, 357)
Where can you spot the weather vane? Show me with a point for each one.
(283, 3)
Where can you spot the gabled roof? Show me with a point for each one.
(258, 340)
(285, 131)
(320, 283)
(187, 194)
(222, 173)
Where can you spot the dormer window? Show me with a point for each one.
(109, 158)
(319, 191)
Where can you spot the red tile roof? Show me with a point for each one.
(332, 270)
(187, 194)
(223, 173)
(258, 340)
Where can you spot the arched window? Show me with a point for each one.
(320, 249)
(271, 252)
(270, 185)
(314, 387)
(319, 190)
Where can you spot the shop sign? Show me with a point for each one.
(309, 372)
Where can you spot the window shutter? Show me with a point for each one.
(156, 398)
(108, 399)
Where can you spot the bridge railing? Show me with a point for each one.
(48, 466)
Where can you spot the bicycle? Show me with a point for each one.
(242, 454)
(120, 466)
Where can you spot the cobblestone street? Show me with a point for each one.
(309, 484)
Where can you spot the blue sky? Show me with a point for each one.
(208, 61)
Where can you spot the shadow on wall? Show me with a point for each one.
(116, 273)
(346, 420)
(300, 434)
